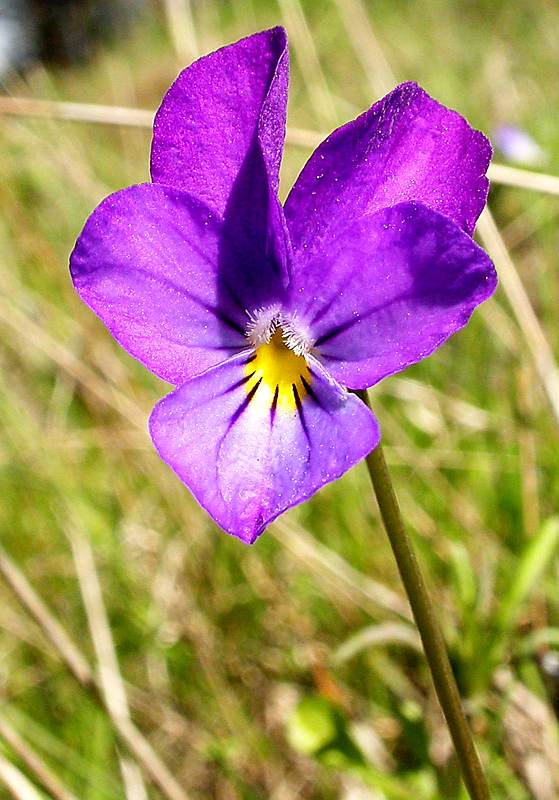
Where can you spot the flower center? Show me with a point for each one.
(277, 375)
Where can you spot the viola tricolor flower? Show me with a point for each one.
(265, 316)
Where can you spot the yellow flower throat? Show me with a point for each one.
(282, 376)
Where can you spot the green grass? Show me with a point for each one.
(219, 643)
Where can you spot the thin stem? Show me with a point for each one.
(424, 614)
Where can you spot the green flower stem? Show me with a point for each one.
(424, 615)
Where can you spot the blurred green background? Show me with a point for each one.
(291, 668)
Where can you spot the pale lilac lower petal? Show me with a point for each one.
(247, 461)
(172, 282)
(391, 289)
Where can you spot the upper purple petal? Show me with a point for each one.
(405, 147)
(218, 113)
(247, 460)
(172, 282)
(390, 289)
(219, 135)
(220, 129)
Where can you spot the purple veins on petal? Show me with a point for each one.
(246, 468)
(309, 390)
(245, 402)
(240, 382)
(300, 411)
(147, 264)
(390, 290)
(155, 265)
(274, 406)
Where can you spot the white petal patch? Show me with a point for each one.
(264, 322)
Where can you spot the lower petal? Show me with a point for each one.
(246, 455)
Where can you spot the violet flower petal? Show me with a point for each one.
(390, 290)
(219, 135)
(247, 460)
(217, 112)
(405, 147)
(168, 279)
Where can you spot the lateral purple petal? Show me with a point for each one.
(225, 112)
(405, 147)
(246, 459)
(168, 280)
(390, 290)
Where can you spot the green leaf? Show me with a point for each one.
(532, 565)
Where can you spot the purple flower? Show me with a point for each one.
(518, 146)
(264, 316)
